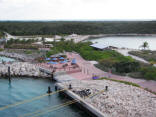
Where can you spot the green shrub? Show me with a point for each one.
(1, 49)
(28, 52)
(149, 72)
(126, 66)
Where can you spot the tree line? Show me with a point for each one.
(78, 27)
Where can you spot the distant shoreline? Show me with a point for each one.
(110, 35)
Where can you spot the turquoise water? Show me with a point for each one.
(127, 41)
(6, 59)
(22, 89)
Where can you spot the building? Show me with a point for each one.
(48, 45)
(101, 46)
(38, 44)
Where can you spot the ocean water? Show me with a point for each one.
(26, 88)
(132, 42)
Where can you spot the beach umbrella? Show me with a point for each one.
(54, 63)
(63, 62)
(61, 58)
(54, 59)
(47, 59)
(50, 62)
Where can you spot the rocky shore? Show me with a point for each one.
(21, 69)
(120, 100)
(17, 56)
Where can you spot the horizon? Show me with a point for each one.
(79, 20)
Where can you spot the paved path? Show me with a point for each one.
(125, 53)
(89, 69)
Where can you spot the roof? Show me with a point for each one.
(38, 43)
(99, 45)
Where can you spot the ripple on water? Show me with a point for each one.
(22, 89)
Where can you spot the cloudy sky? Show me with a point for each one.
(77, 9)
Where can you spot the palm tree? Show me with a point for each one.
(145, 45)
(43, 40)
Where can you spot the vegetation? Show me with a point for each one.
(86, 51)
(144, 45)
(20, 44)
(145, 54)
(124, 82)
(149, 72)
(1, 49)
(18, 41)
(108, 59)
(78, 27)
(28, 52)
(1, 34)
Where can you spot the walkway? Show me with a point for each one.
(89, 69)
(125, 53)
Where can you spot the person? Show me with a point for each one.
(109, 73)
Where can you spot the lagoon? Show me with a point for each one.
(132, 42)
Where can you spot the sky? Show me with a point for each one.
(77, 9)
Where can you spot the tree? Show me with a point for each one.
(2, 34)
(145, 45)
(43, 40)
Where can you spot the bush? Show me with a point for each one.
(1, 49)
(126, 67)
(28, 52)
(149, 72)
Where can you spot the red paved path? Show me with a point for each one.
(89, 69)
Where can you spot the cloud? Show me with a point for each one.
(76, 9)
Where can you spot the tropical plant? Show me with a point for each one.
(145, 45)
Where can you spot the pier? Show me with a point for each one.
(94, 112)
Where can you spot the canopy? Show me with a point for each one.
(63, 61)
(51, 62)
(54, 59)
(47, 59)
(61, 58)
(54, 63)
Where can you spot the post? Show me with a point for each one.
(52, 76)
(70, 86)
(106, 88)
(49, 90)
(9, 74)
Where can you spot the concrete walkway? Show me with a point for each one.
(125, 53)
(90, 70)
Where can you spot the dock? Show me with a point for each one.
(81, 102)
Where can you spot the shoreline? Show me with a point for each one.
(112, 103)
